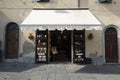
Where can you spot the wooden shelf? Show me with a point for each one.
(79, 46)
(41, 46)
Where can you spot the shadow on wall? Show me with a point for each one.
(4, 20)
(113, 7)
(28, 48)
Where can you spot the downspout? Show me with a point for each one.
(78, 3)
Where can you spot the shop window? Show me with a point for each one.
(42, 0)
(105, 1)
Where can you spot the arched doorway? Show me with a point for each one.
(12, 37)
(111, 45)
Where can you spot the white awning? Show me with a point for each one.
(61, 19)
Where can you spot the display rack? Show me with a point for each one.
(41, 46)
(79, 46)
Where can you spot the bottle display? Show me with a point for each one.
(41, 46)
(79, 46)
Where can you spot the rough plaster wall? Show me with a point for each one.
(27, 46)
(94, 46)
(84, 3)
(32, 4)
(107, 13)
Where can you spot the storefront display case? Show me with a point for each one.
(79, 46)
(41, 46)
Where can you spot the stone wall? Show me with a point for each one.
(94, 46)
(107, 13)
(17, 10)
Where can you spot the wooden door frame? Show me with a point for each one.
(103, 42)
(6, 32)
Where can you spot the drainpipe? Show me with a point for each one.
(78, 3)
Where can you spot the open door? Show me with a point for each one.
(60, 46)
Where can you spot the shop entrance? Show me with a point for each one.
(60, 46)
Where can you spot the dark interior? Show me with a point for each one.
(60, 46)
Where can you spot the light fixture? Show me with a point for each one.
(31, 37)
(90, 36)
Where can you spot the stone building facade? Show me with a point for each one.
(107, 13)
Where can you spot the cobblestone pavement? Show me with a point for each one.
(58, 71)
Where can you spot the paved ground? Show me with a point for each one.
(55, 71)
